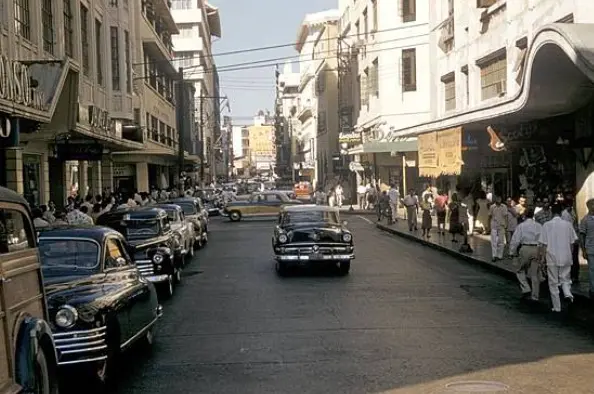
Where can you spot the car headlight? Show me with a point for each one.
(66, 316)
(158, 258)
(282, 238)
(346, 237)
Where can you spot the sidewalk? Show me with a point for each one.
(346, 210)
(481, 253)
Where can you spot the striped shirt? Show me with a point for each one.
(587, 230)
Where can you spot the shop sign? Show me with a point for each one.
(349, 138)
(470, 143)
(99, 118)
(450, 151)
(79, 150)
(15, 85)
(123, 170)
(9, 137)
(428, 154)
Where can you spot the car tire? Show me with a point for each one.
(281, 268)
(204, 237)
(43, 379)
(166, 288)
(235, 216)
(344, 267)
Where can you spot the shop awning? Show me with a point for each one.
(403, 145)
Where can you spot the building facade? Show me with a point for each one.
(74, 60)
(317, 108)
(198, 22)
(262, 147)
(287, 124)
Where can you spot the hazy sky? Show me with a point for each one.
(251, 24)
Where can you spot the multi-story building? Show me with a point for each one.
(318, 97)
(287, 122)
(512, 110)
(198, 22)
(74, 62)
(262, 147)
(390, 40)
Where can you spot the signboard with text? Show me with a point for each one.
(428, 151)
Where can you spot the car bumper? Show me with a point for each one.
(157, 278)
(81, 346)
(325, 257)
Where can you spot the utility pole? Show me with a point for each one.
(181, 127)
(201, 114)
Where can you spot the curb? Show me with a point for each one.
(463, 256)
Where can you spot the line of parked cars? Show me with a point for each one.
(77, 297)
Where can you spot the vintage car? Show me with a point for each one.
(195, 212)
(28, 361)
(99, 303)
(183, 231)
(148, 231)
(307, 234)
(259, 204)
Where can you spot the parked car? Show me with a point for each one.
(195, 212)
(259, 204)
(148, 231)
(183, 231)
(312, 234)
(28, 355)
(99, 303)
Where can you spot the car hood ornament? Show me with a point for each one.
(315, 237)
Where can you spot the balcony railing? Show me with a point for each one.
(159, 28)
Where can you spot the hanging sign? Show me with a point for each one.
(15, 85)
(428, 154)
(450, 151)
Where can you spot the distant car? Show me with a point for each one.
(259, 204)
(312, 234)
(98, 301)
(183, 231)
(195, 212)
(149, 232)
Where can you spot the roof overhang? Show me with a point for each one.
(214, 20)
(402, 145)
(559, 70)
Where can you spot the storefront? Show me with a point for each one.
(440, 159)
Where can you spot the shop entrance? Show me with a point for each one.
(497, 180)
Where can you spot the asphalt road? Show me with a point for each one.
(407, 320)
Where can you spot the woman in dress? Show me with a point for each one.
(454, 217)
(426, 221)
(483, 213)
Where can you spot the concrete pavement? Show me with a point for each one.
(408, 319)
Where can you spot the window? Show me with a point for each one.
(374, 22)
(493, 78)
(449, 88)
(15, 231)
(409, 70)
(47, 20)
(374, 78)
(128, 61)
(113, 3)
(84, 38)
(67, 28)
(409, 10)
(99, 52)
(365, 23)
(185, 59)
(364, 88)
(321, 122)
(22, 18)
(181, 4)
(186, 30)
(115, 58)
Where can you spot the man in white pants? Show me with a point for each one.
(394, 199)
(498, 219)
(556, 241)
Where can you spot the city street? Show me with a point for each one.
(408, 319)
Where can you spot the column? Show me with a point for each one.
(142, 177)
(107, 175)
(45, 179)
(83, 175)
(14, 169)
(96, 180)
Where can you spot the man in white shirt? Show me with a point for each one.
(394, 197)
(556, 241)
(498, 220)
(411, 202)
(361, 191)
(526, 239)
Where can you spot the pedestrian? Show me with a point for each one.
(441, 202)
(320, 197)
(394, 197)
(587, 242)
(338, 192)
(524, 245)
(38, 221)
(411, 203)
(570, 216)
(469, 202)
(361, 193)
(544, 214)
(512, 219)
(382, 205)
(426, 219)
(453, 219)
(482, 216)
(498, 220)
(556, 240)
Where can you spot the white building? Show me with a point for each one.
(393, 68)
(288, 94)
(198, 22)
(317, 105)
(498, 69)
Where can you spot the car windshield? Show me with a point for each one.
(303, 217)
(141, 228)
(188, 208)
(73, 256)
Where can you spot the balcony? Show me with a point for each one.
(446, 35)
(156, 29)
(345, 21)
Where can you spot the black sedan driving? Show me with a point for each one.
(312, 234)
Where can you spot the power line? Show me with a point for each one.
(265, 48)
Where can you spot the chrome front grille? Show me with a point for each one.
(82, 346)
(309, 249)
(145, 267)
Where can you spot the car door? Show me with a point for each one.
(273, 203)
